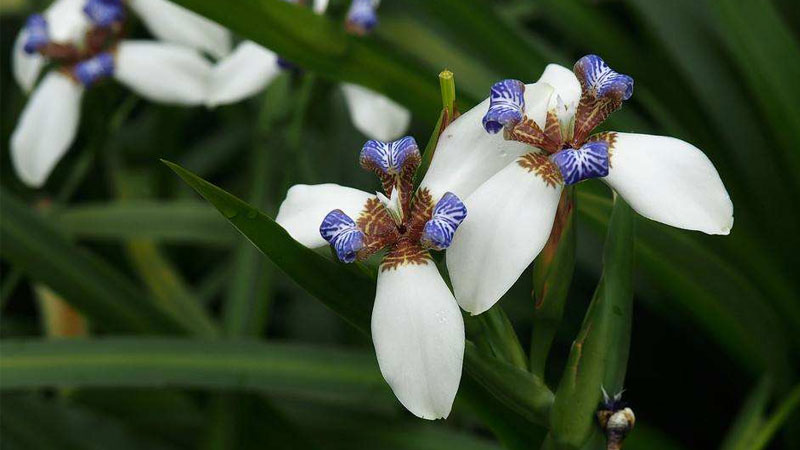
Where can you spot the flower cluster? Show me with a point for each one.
(85, 41)
(511, 182)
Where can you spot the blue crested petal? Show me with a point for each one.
(38, 36)
(105, 12)
(96, 68)
(589, 161)
(448, 214)
(506, 105)
(389, 157)
(342, 233)
(361, 17)
(595, 75)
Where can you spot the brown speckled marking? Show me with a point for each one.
(377, 226)
(405, 252)
(542, 167)
(611, 139)
(529, 132)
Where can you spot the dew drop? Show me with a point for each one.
(441, 317)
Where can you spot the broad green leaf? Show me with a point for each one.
(87, 282)
(170, 221)
(320, 44)
(552, 276)
(599, 354)
(158, 362)
(342, 288)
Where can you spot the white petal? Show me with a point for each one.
(173, 23)
(418, 334)
(305, 206)
(46, 128)
(242, 74)
(508, 222)
(320, 6)
(467, 155)
(26, 67)
(375, 115)
(670, 181)
(162, 72)
(563, 81)
(66, 21)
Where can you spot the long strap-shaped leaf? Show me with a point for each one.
(159, 362)
(599, 355)
(350, 292)
(84, 280)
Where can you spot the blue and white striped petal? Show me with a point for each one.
(342, 233)
(600, 80)
(389, 157)
(589, 161)
(104, 13)
(506, 105)
(37, 33)
(361, 17)
(448, 214)
(94, 69)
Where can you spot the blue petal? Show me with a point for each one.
(361, 17)
(104, 12)
(590, 161)
(506, 105)
(389, 157)
(38, 36)
(601, 80)
(448, 214)
(91, 70)
(342, 233)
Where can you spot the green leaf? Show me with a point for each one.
(34, 423)
(552, 276)
(692, 279)
(496, 331)
(342, 288)
(164, 221)
(520, 390)
(320, 44)
(767, 53)
(790, 403)
(599, 354)
(85, 281)
(750, 418)
(157, 362)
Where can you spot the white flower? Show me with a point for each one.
(82, 38)
(251, 68)
(512, 183)
(417, 328)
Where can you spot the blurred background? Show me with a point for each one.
(716, 328)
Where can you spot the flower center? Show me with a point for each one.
(566, 132)
(90, 60)
(406, 222)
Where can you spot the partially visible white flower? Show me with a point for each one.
(417, 328)
(512, 183)
(82, 38)
(251, 68)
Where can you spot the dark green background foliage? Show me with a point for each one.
(200, 341)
